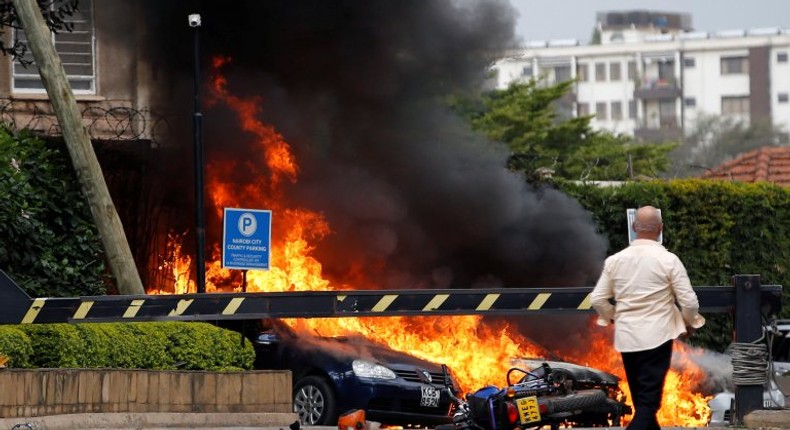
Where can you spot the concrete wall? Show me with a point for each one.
(39, 392)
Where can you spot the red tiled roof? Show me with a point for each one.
(771, 164)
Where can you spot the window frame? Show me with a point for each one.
(601, 111)
(742, 102)
(615, 71)
(31, 74)
(727, 65)
(600, 72)
(583, 72)
(616, 114)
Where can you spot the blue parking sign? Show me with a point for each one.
(246, 239)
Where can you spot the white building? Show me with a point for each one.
(651, 76)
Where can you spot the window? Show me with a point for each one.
(631, 70)
(734, 65)
(691, 102)
(526, 71)
(76, 50)
(582, 73)
(600, 71)
(689, 63)
(600, 111)
(781, 57)
(781, 97)
(632, 109)
(583, 109)
(617, 111)
(735, 105)
(615, 71)
(562, 73)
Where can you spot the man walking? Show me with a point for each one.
(646, 281)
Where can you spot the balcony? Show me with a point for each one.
(657, 88)
(660, 130)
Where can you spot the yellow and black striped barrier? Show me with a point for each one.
(17, 307)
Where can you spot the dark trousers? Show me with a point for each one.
(646, 372)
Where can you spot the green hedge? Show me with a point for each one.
(49, 244)
(160, 346)
(717, 228)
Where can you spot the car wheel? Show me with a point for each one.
(314, 401)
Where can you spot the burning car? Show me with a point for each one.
(333, 375)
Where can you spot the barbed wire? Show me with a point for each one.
(101, 122)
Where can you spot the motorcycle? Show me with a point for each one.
(538, 397)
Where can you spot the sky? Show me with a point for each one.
(575, 19)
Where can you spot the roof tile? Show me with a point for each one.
(771, 164)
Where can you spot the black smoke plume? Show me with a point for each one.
(413, 197)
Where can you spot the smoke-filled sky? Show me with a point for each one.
(413, 197)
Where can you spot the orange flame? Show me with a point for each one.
(478, 353)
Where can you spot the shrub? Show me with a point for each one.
(48, 242)
(15, 345)
(160, 346)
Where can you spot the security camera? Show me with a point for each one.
(194, 20)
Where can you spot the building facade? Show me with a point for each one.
(653, 80)
(113, 85)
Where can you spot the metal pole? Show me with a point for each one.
(748, 329)
(197, 133)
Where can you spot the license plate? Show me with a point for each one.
(528, 411)
(430, 396)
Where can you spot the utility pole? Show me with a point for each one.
(89, 172)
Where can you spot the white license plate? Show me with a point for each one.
(430, 396)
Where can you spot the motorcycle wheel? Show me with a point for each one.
(579, 400)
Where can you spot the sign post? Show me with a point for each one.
(246, 240)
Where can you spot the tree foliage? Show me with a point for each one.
(527, 117)
(55, 13)
(716, 139)
(49, 244)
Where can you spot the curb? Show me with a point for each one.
(129, 420)
(763, 419)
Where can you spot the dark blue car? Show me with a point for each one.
(332, 376)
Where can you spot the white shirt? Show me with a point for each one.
(645, 280)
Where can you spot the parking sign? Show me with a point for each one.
(246, 239)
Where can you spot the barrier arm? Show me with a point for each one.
(16, 307)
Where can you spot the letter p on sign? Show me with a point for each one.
(247, 224)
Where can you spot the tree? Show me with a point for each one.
(527, 117)
(716, 139)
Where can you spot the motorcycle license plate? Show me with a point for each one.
(528, 411)
(430, 396)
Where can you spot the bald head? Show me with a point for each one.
(647, 223)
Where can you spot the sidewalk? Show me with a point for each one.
(258, 421)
